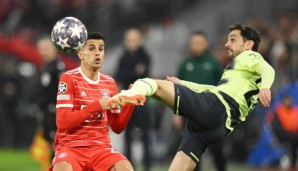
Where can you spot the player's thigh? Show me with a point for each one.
(182, 162)
(122, 165)
(69, 159)
(62, 166)
(165, 92)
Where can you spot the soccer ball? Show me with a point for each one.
(69, 34)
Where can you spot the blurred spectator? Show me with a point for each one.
(294, 40)
(201, 67)
(281, 52)
(285, 126)
(49, 77)
(18, 81)
(134, 64)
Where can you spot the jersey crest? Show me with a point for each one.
(105, 93)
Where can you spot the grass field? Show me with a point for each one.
(11, 160)
(19, 160)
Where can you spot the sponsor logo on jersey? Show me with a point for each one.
(255, 55)
(62, 88)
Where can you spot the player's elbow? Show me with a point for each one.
(117, 130)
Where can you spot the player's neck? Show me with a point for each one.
(90, 73)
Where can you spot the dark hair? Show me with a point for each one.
(248, 33)
(200, 33)
(95, 35)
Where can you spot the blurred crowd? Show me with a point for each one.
(31, 18)
(22, 63)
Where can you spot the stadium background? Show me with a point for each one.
(166, 25)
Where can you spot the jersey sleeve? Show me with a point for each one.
(119, 121)
(114, 91)
(65, 94)
(267, 73)
(68, 119)
(256, 62)
(250, 58)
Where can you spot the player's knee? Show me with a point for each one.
(164, 86)
(62, 166)
(165, 92)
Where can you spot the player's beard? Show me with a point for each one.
(232, 54)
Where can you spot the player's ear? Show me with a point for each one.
(80, 55)
(249, 44)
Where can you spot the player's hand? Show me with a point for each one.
(105, 105)
(173, 79)
(265, 97)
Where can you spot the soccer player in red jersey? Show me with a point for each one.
(82, 139)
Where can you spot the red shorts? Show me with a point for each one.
(87, 158)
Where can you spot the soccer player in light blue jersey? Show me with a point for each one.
(211, 112)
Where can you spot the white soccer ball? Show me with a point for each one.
(69, 34)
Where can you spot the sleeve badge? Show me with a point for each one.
(62, 88)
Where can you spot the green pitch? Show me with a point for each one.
(11, 160)
(17, 160)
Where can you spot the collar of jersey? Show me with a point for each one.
(87, 79)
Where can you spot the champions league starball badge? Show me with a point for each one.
(62, 88)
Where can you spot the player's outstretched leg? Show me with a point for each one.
(159, 89)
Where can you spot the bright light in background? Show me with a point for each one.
(27, 69)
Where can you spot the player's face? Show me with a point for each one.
(92, 54)
(236, 44)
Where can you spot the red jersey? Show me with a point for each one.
(75, 92)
